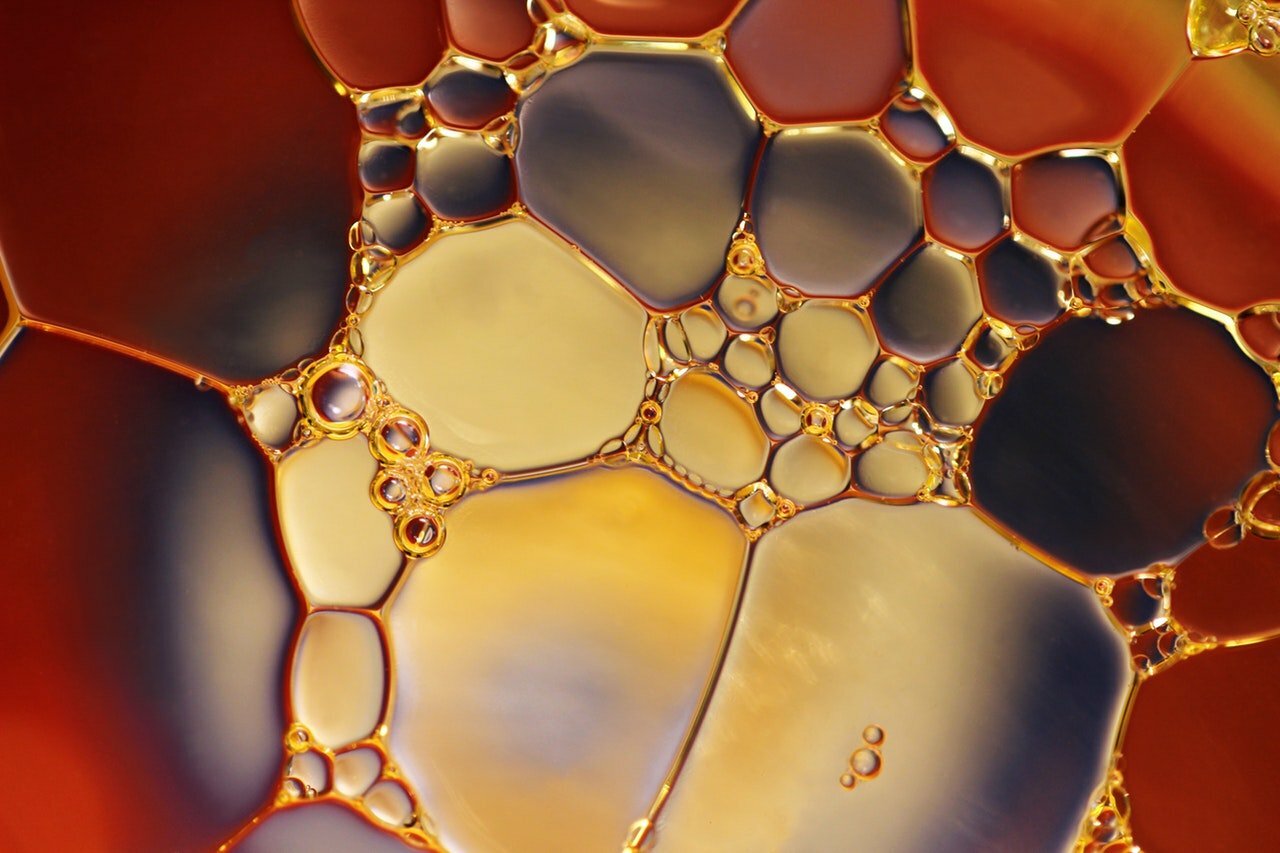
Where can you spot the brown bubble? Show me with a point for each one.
(663, 18)
(1230, 594)
(489, 29)
(377, 43)
(1020, 77)
(1217, 706)
(1203, 175)
(816, 62)
(1066, 202)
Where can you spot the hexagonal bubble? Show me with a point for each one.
(713, 432)
(833, 209)
(874, 605)
(338, 677)
(339, 543)
(460, 176)
(1020, 285)
(925, 309)
(641, 159)
(825, 348)
(509, 307)
(468, 97)
(804, 62)
(524, 717)
(1067, 200)
(963, 201)
(807, 469)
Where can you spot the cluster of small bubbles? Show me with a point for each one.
(1263, 22)
(1257, 511)
(1139, 605)
(1106, 827)
(866, 762)
(339, 398)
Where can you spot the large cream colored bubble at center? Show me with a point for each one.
(552, 655)
(517, 352)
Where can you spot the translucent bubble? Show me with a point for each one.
(873, 734)
(389, 802)
(270, 414)
(401, 435)
(419, 534)
(747, 303)
(389, 492)
(865, 762)
(355, 770)
(337, 394)
(446, 479)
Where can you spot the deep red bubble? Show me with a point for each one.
(1066, 202)
(1020, 77)
(1113, 259)
(1230, 593)
(667, 18)
(1204, 178)
(188, 187)
(488, 29)
(372, 44)
(1199, 756)
(809, 62)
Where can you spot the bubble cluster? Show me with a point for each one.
(591, 238)
(866, 762)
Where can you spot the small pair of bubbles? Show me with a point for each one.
(866, 762)
(339, 398)
(359, 774)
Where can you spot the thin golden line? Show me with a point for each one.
(199, 377)
(708, 692)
